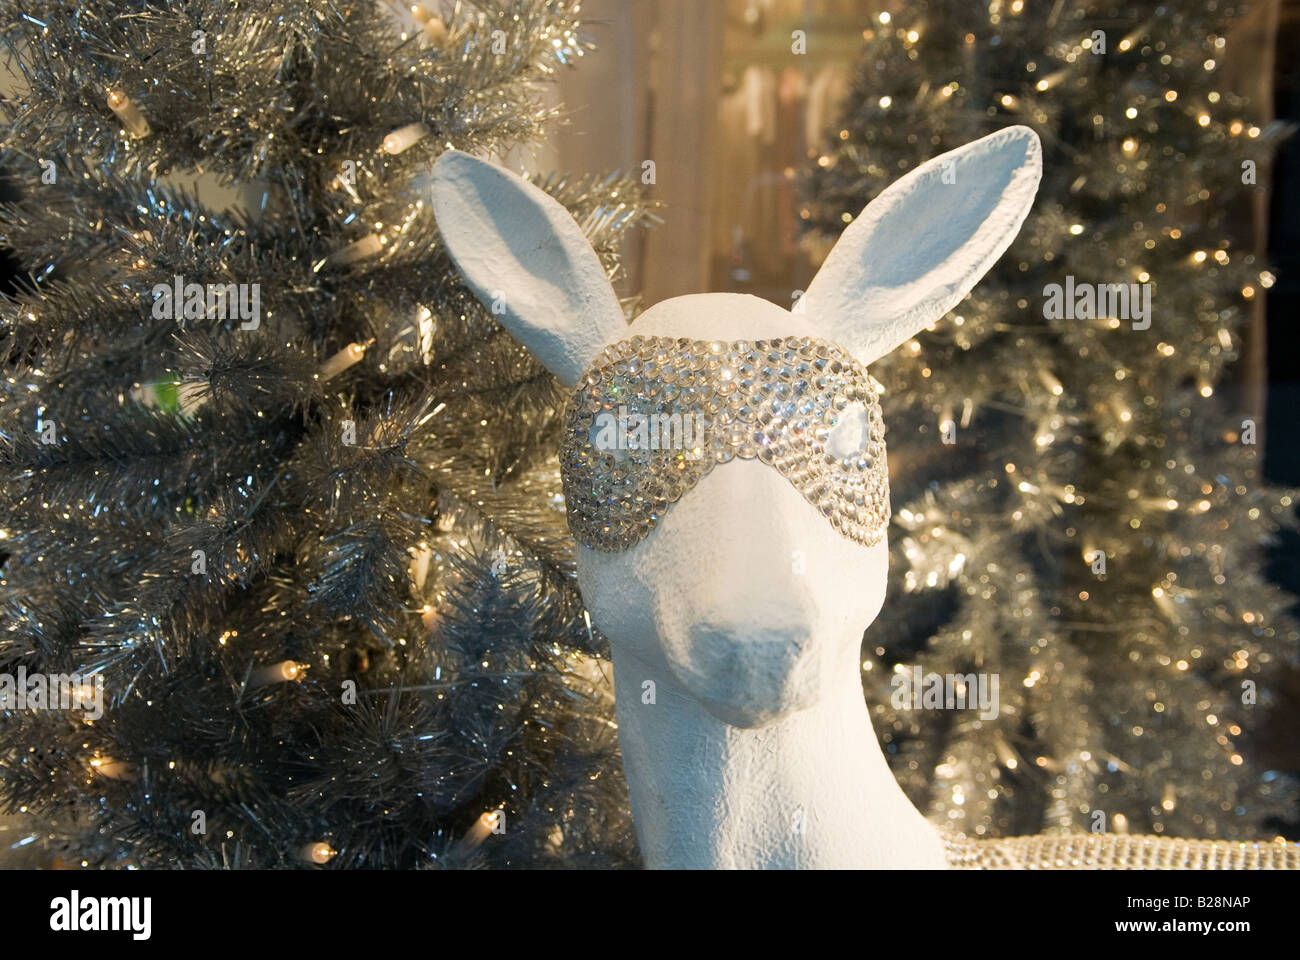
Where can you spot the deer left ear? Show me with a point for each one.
(525, 256)
(924, 242)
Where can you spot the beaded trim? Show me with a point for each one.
(654, 415)
(1114, 851)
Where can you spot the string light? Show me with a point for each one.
(403, 138)
(112, 769)
(133, 121)
(418, 569)
(286, 671)
(349, 356)
(1168, 799)
(429, 616)
(434, 27)
(368, 246)
(488, 822)
(318, 853)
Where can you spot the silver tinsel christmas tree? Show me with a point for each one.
(1082, 512)
(272, 475)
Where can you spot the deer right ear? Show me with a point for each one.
(920, 246)
(526, 258)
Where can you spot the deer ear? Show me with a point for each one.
(520, 251)
(920, 246)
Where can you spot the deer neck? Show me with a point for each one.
(810, 790)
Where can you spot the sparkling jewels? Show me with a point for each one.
(654, 415)
(1111, 851)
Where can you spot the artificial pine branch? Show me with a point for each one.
(226, 516)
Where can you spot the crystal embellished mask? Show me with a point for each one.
(653, 415)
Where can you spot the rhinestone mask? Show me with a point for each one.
(653, 415)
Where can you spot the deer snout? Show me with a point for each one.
(745, 674)
(738, 620)
(744, 594)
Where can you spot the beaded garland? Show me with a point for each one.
(1113, 851)
(653, 415)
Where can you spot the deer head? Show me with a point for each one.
(748, 593)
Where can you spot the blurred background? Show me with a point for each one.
(1102, 515)
(764, 146)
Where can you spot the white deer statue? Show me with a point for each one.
(736, 617)
(735, 598)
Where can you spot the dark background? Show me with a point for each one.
(1281, 747)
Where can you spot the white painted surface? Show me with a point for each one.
(744, 609)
